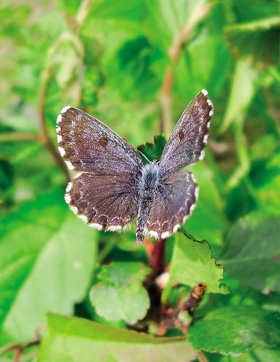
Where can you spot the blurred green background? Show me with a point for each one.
(135, 66)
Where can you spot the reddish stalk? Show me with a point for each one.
(156, 255)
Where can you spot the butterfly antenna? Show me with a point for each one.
(144, 156)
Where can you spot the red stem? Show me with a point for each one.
(156, 256)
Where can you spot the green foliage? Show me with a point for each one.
(153, 150)
(192, 263)
(208, 211)
(252, 252)
(43, 266)
(237, 330)
(136, 66)
(120, 285)
(256, 39)
(65, 336)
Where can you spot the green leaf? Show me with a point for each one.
(266, 179)
(252, 252)
(78, 340)
(117, 23)
(243, 88)
(6, 176)
(167, 18)
(109, 9)
(153, 150)
(116, 32)
(235, 329)
(192, 263)
(206, 58)
(119, 295)
(254, 9)
(51, 25)
(69, 6)
(257, 39)
(255, 355)
(134, 70)
(47, 258)
(207, 220)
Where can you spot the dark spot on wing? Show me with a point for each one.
(103, 141)
(181, 135)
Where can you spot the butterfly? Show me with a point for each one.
(113, 187)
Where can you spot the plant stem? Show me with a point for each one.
(201, 356)
(47, 74)
(157, 256)
(200, 10)
(45, 138)
(17, 136)
(83, 11)
(18, 347)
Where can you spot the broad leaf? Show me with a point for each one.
(78, 340)
(255, 355)
(252, 253)
(115, 22)
(235, 329)
(192, 263)
(206, 58)
(257, 39)
(47, 258)
(243, 88)
(266, 179)
(119, 295)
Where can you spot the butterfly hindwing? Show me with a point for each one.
(186, 143)
(102, 201)
(175, 199)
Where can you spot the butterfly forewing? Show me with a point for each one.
(186, 143)
(88, 145)
(175, 199)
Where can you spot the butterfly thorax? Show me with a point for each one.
(146, 189)
(149, 178)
